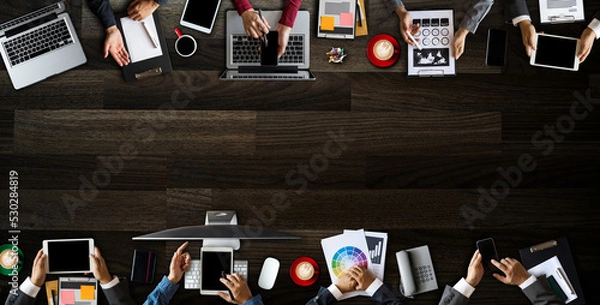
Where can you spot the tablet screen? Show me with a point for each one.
(69, 256)
(214, 265)
(201, 12)
(556, 52)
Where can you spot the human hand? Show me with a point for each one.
(113, 45)
(515, 272)
(180, 263)
(38, 271)
(363, 277)
(475, 271)
(238, 287)
(346, 283)
(284, 36)
(587, 41)
(459, 42)
(254, 25)
(406, 25)
(141, 9)
(99, 267)
(528, 35)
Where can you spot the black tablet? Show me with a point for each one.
(68, 255)
(557, 52)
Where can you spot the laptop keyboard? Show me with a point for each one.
(30, 16)
(245, 50)
(40, 41)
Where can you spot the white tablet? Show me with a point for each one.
(68, 255)
(556, 52)
(200, 15)
(215, 263)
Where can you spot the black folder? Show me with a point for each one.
(152, 66)
(561, 249)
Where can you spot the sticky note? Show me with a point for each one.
(87, 292)
(346, 19)
(67, 297)
(327, 23)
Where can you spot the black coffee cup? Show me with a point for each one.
(185, 45)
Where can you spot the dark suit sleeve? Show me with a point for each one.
(385, 296)
(453, 297)
(19, 299)
(118, 295)
(323, 297)
(540, 293)
(102, 10)
(597, 16)
(516, 8)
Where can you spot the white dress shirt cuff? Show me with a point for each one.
(29, 288)
(337, 294)
(528, 282)
(110, 284)
(464, 288)
(518, 19)
(595, 26)
(377, 283)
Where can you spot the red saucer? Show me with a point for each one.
(299, 281)
(378, 62)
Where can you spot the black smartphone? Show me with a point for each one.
(496, 47)
(487, 248)
(268, 49)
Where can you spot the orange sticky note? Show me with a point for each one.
(87, 292)
(327, 23)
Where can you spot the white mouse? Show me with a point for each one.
(268, 273)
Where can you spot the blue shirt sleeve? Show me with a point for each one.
(256, 300)
(162, 294)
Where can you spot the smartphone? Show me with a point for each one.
(200, 15)
(496, 47)
(268, 49)
(487, 248)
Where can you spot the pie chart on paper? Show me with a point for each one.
(347, 257)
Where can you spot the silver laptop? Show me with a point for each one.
(243, 56)
(40, 44)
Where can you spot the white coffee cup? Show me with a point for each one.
(383, 49)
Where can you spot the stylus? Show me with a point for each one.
(150, 35)
(412, 38)
(264, 35)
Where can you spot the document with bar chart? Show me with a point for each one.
(377, 246)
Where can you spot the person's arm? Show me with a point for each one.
(519, 15)
(464, 288)
(140, 9)
(383, 294)
(288, 16)
(392, 5)
(323, 297)
(470, 23)
(537, 290)
(114, 290)
(589, 35)
(163, 293)
(102, 10)
(28, 290)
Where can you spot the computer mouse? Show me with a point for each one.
(268, 273)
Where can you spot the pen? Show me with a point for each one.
(412, 38)
(150, 35)
(359, 15)
(264, 35)
(563, 277)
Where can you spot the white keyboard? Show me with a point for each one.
(191, 278)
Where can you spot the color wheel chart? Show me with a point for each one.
(345, 258)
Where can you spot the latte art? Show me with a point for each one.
(305, 271)
(383, 50)
(8, 259)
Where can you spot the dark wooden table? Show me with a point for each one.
(98, 157)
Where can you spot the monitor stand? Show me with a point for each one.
(216, 218)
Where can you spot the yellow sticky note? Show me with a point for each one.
(87, 292)
(327, 23)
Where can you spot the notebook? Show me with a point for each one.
(243, 57)
(40, 44)
(337, 19)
